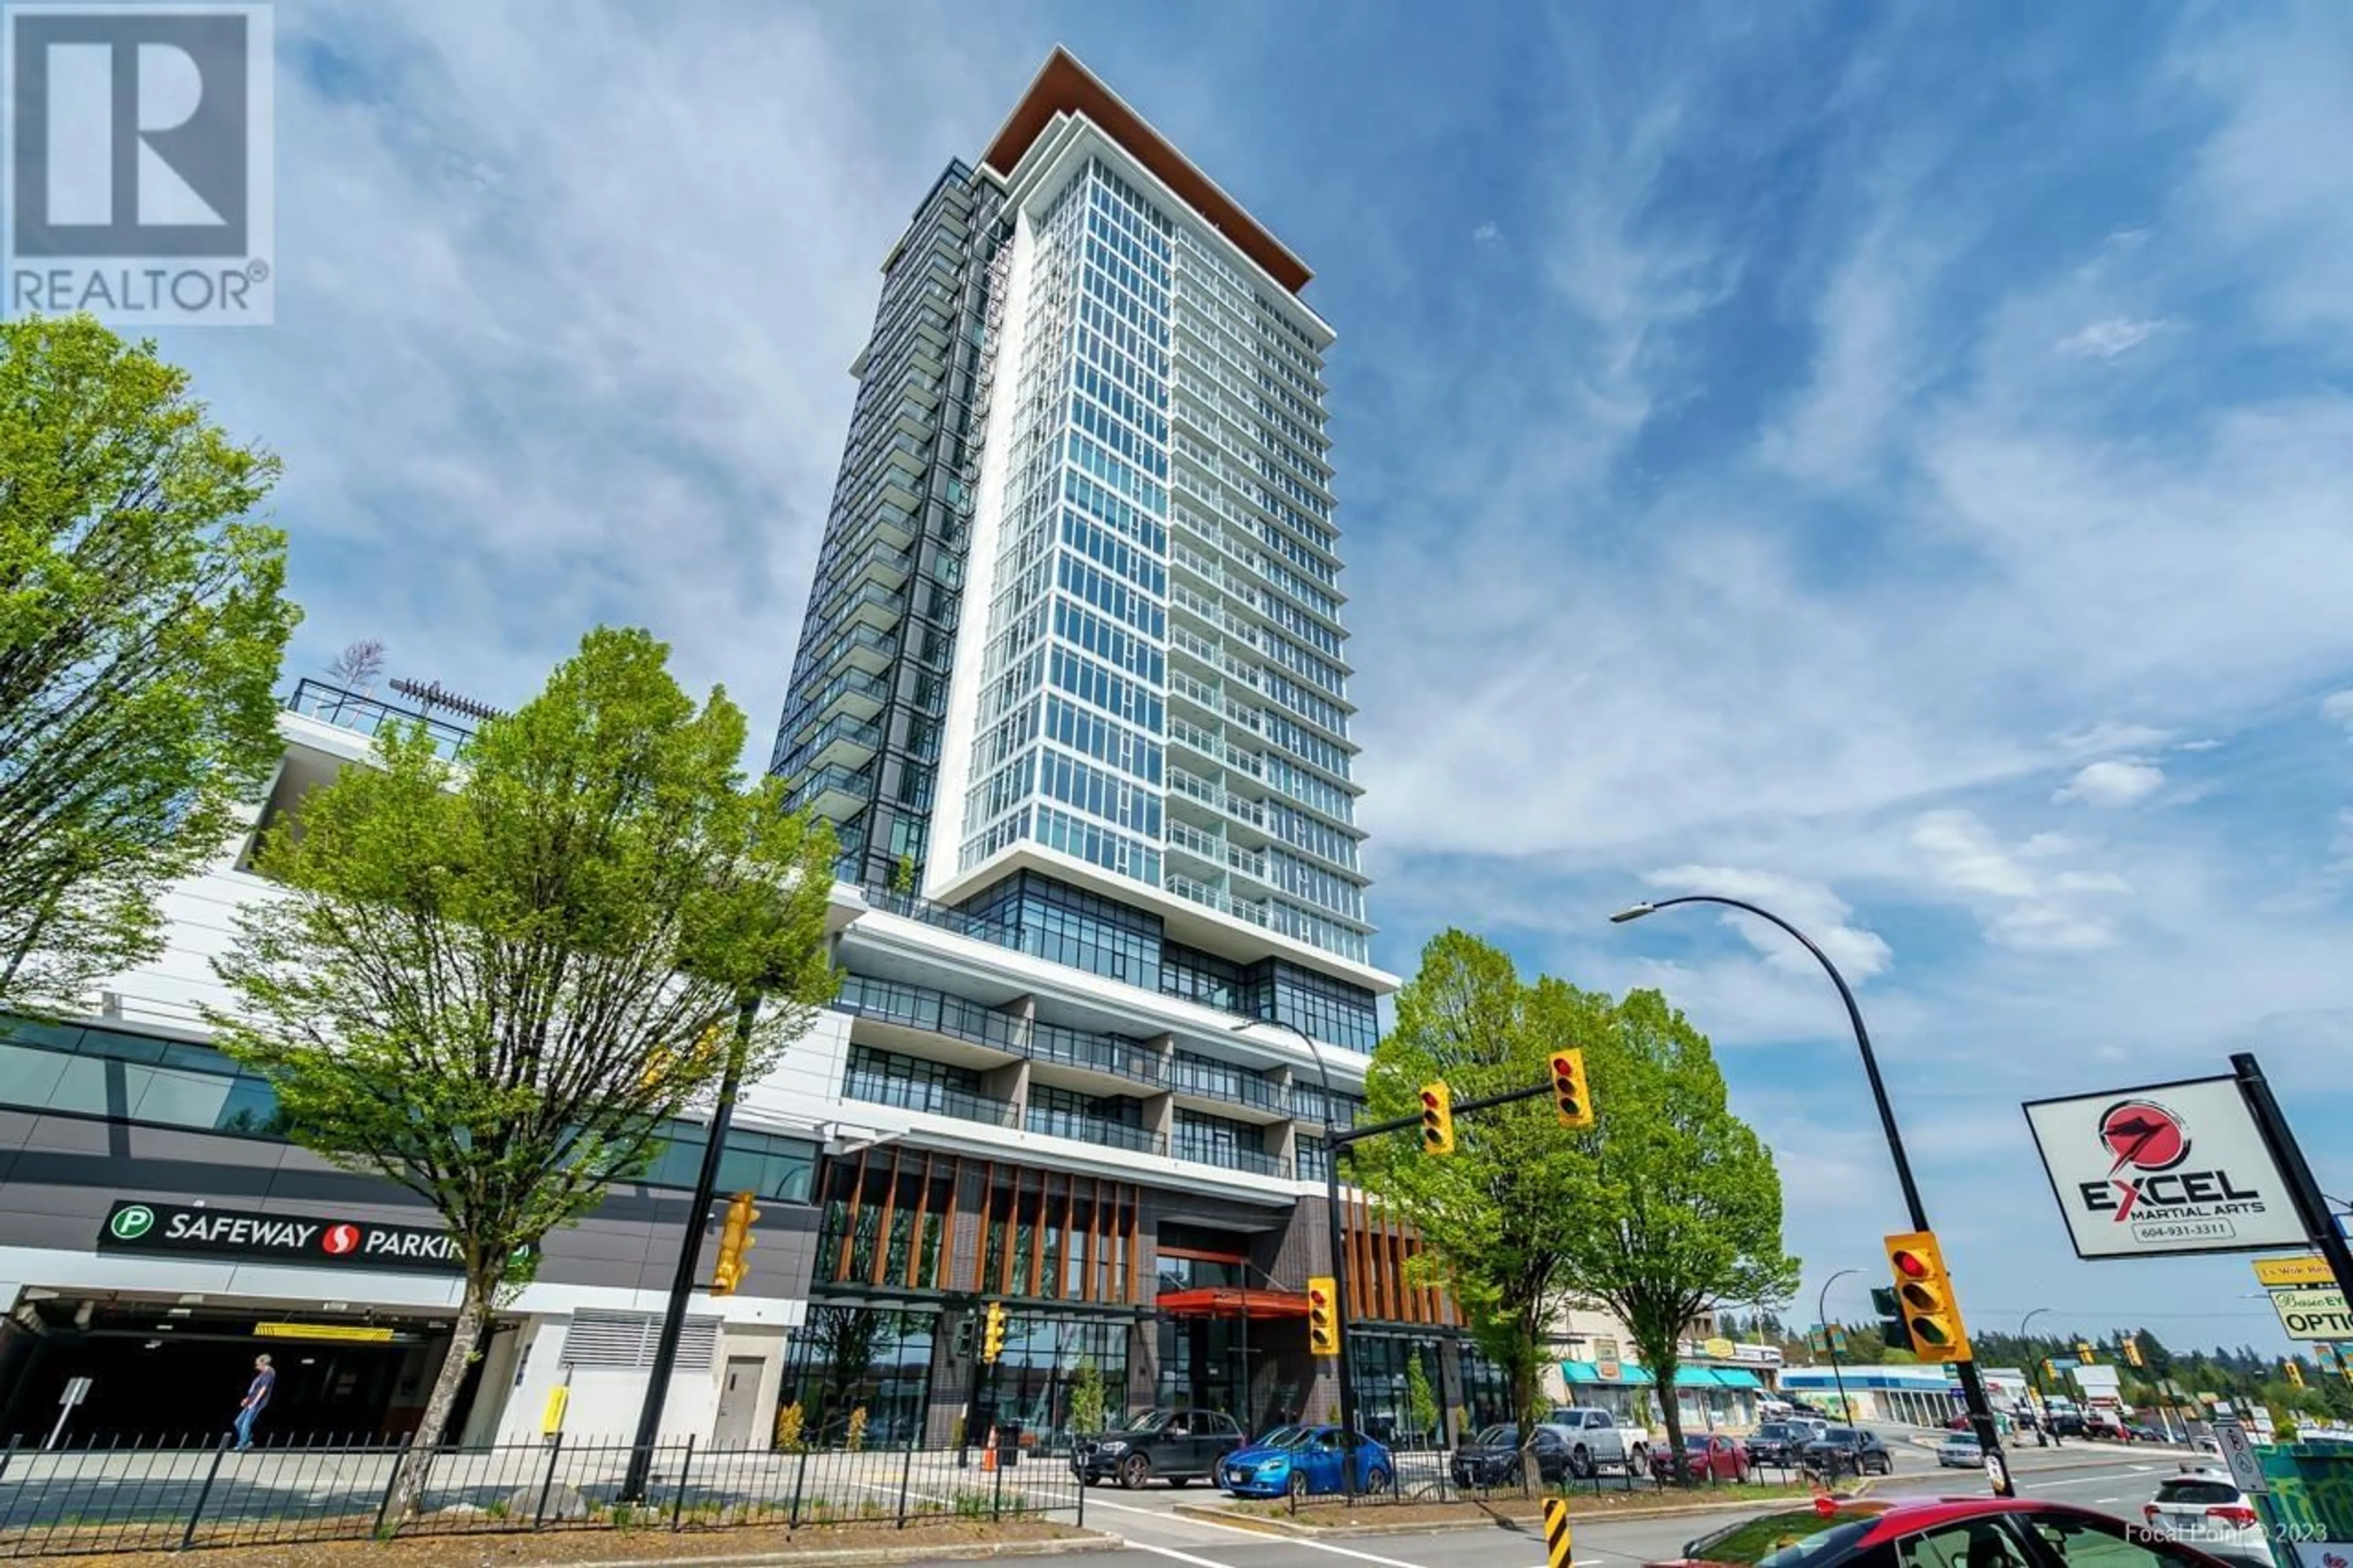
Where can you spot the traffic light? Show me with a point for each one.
(1924, 1290)
(1323, 1316)
(2050, 1371)
(2084, 1352)
(2296, 1372)
(1892, 1331)
(735, 1240)
(1437, 1119)
(964, 1339)
(2132, 1351)
(1571, 1097)
(992, 1341)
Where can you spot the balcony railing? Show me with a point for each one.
(938, 1099)
(1096, 1130)
(920, 1007)
(1234, 1087)
(1208, 1151)
(1112, 1053)
(366, 715)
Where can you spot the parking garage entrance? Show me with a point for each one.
(162, 1371)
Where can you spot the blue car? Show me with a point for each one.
(1301, 1460)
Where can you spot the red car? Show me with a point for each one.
(1715, 1457)
(1951, 1533)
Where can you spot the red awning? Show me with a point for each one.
(1232, 1302)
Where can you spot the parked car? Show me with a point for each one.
(1597, 1443)
(1960, 1451)
(2203, 1507)
(2142, 1433)
(1779, 1442)
(2067, 1423)
(1713, 1457)
(1982, 1533)
(1850, 1450)
(1299, 1460)
(1495, 1456)
(1179, 1447)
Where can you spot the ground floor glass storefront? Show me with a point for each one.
(881, 1359)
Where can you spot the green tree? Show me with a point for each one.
(1679, 1205)
(1420, 1399)
(1667, 1206)
(499, 987)
(1086, 1399)
(142, 627)
(1490, 1214)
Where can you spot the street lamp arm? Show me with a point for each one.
(1919, 1214)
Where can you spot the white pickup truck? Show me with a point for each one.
(1597, 1442)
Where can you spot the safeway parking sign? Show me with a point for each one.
(2313, 1314)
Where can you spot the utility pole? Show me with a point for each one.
(689, 1255)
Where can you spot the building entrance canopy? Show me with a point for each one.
(1231, 1301)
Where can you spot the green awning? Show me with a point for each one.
(1580, 1373)
(1735, 1377)
(1696, 1377)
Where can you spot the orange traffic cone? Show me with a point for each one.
(989, 1451)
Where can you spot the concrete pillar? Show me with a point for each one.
(1160, 1109)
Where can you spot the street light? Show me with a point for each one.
(1335, 1235)
(2049, 1430)
(1972, 1385)
(1830, 1340)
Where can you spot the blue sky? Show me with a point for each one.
(1893, 463)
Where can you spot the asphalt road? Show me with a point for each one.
(2091, 1475)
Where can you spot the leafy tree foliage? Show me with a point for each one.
(1669, 1206)
(141, 626)
(497, 987)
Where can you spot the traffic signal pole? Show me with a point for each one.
(689, 1255)
(1973, 1392)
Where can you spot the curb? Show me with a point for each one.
(1090, 1541)
(1281, 1528)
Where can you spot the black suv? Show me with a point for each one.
(1847, 1449)
(1178, 1446)
(1492, 1459)
(1780, 1443)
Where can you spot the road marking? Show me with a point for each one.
(2079, 1481)
(2103, 1501)
(1171, 1552)
(1260, 1536)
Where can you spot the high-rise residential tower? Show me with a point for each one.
(1077, 610)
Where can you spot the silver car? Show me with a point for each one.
(1960, 1451)
(2203, 1507)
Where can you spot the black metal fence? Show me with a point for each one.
(159, 1496)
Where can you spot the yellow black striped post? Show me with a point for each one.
(1557, 1550)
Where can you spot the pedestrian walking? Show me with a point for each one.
(256, 1399)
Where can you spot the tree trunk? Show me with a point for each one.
(465, 1338)
(1671, 1416)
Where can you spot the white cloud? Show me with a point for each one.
(1487, 232)
(2118, 782)
(2205, 745)
(2021, 901)
(2338, 707)
(2110, 339)
(1810, 906)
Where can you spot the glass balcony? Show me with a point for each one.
(920, 1007)
(1225, 1156)
(937, 1099)
(1095, 1129)
(366, 715)
(1115, 1054)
